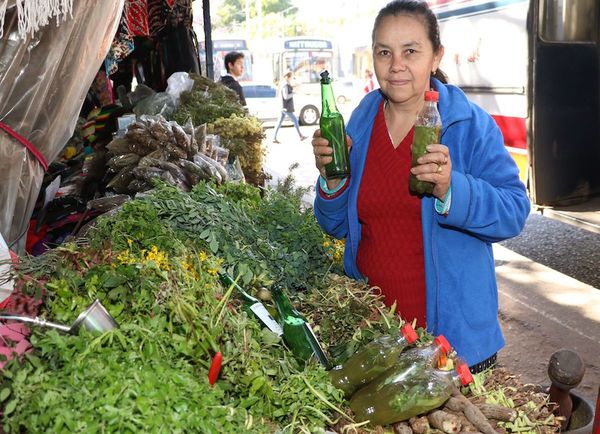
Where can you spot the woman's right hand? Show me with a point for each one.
(323, 152)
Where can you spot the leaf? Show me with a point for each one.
(10, 407)
(4, 394)
(214, 245)
(114, 281)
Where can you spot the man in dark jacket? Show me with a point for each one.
(234, 63)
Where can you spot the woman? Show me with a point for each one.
(431, 255)
(369, 83)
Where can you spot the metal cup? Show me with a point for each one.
(95, 318)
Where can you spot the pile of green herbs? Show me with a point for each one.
(207, 102)
(263, 239)
(155, 266)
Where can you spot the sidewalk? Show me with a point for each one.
(541, 311)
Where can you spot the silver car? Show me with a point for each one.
(264, 102)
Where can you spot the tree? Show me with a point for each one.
(232, 13)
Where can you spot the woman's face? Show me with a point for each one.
(403, 58)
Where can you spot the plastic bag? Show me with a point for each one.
(177, 83)
(120, 161)
(140, 93)
(234, 170)
(107, 203)
(121, 180)
(220, 155)
(45, 79)
(157, 104)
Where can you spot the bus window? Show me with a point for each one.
(306, 65)
(568, 20)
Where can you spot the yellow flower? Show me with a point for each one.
(212, 271)
(125, 257)
(159, 258)
(190, 269)
(326, 244)
(129, 242)
(202, 256)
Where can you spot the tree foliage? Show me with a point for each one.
(232, 13)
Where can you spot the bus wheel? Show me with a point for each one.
(309, 115)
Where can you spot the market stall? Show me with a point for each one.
(220, 304)
(157, 266)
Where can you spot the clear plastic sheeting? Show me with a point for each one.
(43, 82)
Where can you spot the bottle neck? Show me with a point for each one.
(328, 98)
(283, 304)
(401, 340)
(432, 352)
(228, 281)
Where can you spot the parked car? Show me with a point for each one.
(264, 102)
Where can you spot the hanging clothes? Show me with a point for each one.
(170, 22)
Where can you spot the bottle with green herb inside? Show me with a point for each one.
(394, 398)
(253, 305)
(297, 333)
(333, 129)
(372, 360)
(428, 127)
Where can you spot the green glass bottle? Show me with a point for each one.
(297, 333)
(253, 305)
(334, 130)
(427, 131)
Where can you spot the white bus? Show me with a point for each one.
(486, 56)
(306, 57)
(223, 46)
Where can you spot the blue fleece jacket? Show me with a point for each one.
(489, 204)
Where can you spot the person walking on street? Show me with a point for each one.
(234, 63)
(430, 254)
(287, 98)
(369, 83)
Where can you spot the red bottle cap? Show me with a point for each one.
(462, 369)
(409, 333)
(443, 343)
(432, 95)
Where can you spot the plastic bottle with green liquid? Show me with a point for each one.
(395, 397)
(371, 360)
(428, 127)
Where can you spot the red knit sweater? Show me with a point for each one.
(390, 253)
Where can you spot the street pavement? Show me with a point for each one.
(541, 310)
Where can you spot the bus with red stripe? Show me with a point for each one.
(486, 56)
(534, 65)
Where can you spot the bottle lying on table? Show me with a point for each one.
(395, 397)
(253, 305)
(372, 360)
(297, 332)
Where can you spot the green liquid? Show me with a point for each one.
(423, 136)
(400, 395)
(333, 129)
(367, 364)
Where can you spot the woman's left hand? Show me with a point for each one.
(435, 167)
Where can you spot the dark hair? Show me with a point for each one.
(232, 57)
(415, 8)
